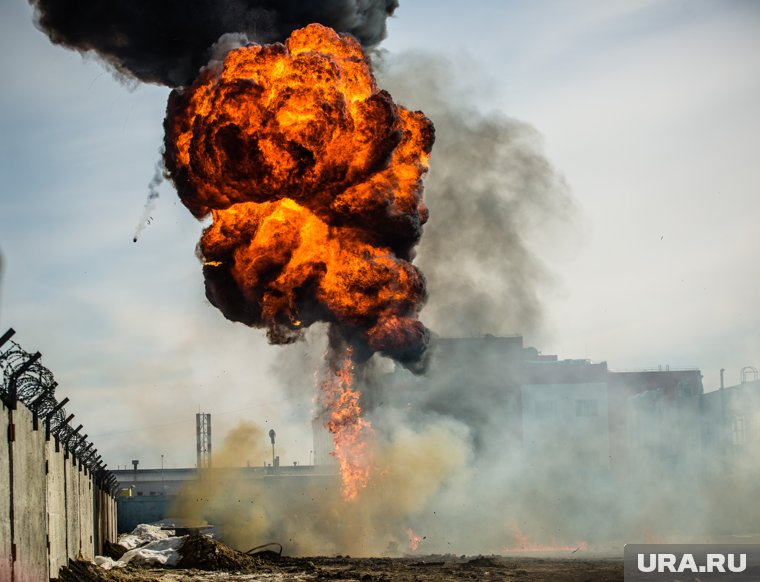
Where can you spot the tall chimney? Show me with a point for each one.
(203, 440)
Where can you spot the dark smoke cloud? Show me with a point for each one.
(168, 41)
(492, 195)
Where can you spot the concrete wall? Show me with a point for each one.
(5, 499)
(86, 506)
(72, 507)
(50, 505)
(56, 500)
(105, 513)
(29, 499)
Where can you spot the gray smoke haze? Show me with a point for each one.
(491, 192)
(168, 41)
(470, 458)
(150, 202)
(476, 460)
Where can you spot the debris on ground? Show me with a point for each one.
(204, 553)
(144, 534)
(161, 557)
(501, 569)
(113, 551)
(156, 554)
(486, 562)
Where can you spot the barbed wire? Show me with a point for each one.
(24, 379)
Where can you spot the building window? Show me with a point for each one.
(683, 390)
(543, 408)
(586, 408)
(738, 430)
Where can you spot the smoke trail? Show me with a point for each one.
(150, 203)
(491, 192)
(168, 41)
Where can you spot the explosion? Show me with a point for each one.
(350, 431)
(313, 179)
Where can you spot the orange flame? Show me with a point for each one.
(350, 431)
(313, 177)
(414, 540)
(523, 544)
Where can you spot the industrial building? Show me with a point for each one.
(616, 423)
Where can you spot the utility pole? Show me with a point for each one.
(272, 434)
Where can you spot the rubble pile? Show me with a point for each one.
(204, 553)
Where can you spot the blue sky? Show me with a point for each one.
(649, 109)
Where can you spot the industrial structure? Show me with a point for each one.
(613, 424)
(203, 440)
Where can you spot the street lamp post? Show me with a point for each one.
(272, 434)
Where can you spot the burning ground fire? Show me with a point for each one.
(313, 178)
(524, 544)
(414, 539)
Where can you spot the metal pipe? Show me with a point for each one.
(13, 384)
(50, 414)
(79, 443)
(72, 435)
(7, 335)
(66, 421)
(57, 407)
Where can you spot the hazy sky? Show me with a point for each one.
(650, 110)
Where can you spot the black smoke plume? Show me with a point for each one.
(167, 41)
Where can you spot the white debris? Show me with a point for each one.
(105, 562)
(143, 534)
(163, 552)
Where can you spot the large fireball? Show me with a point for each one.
(313, 178)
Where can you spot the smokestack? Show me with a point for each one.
(135, 462)
(203, 440)
(722, 371)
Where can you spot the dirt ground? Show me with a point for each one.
(427, 569)
(204, 559)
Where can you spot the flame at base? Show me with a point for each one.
(351, 432)
(414, 539)
(524, 544)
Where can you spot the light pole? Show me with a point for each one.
(272, 434)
